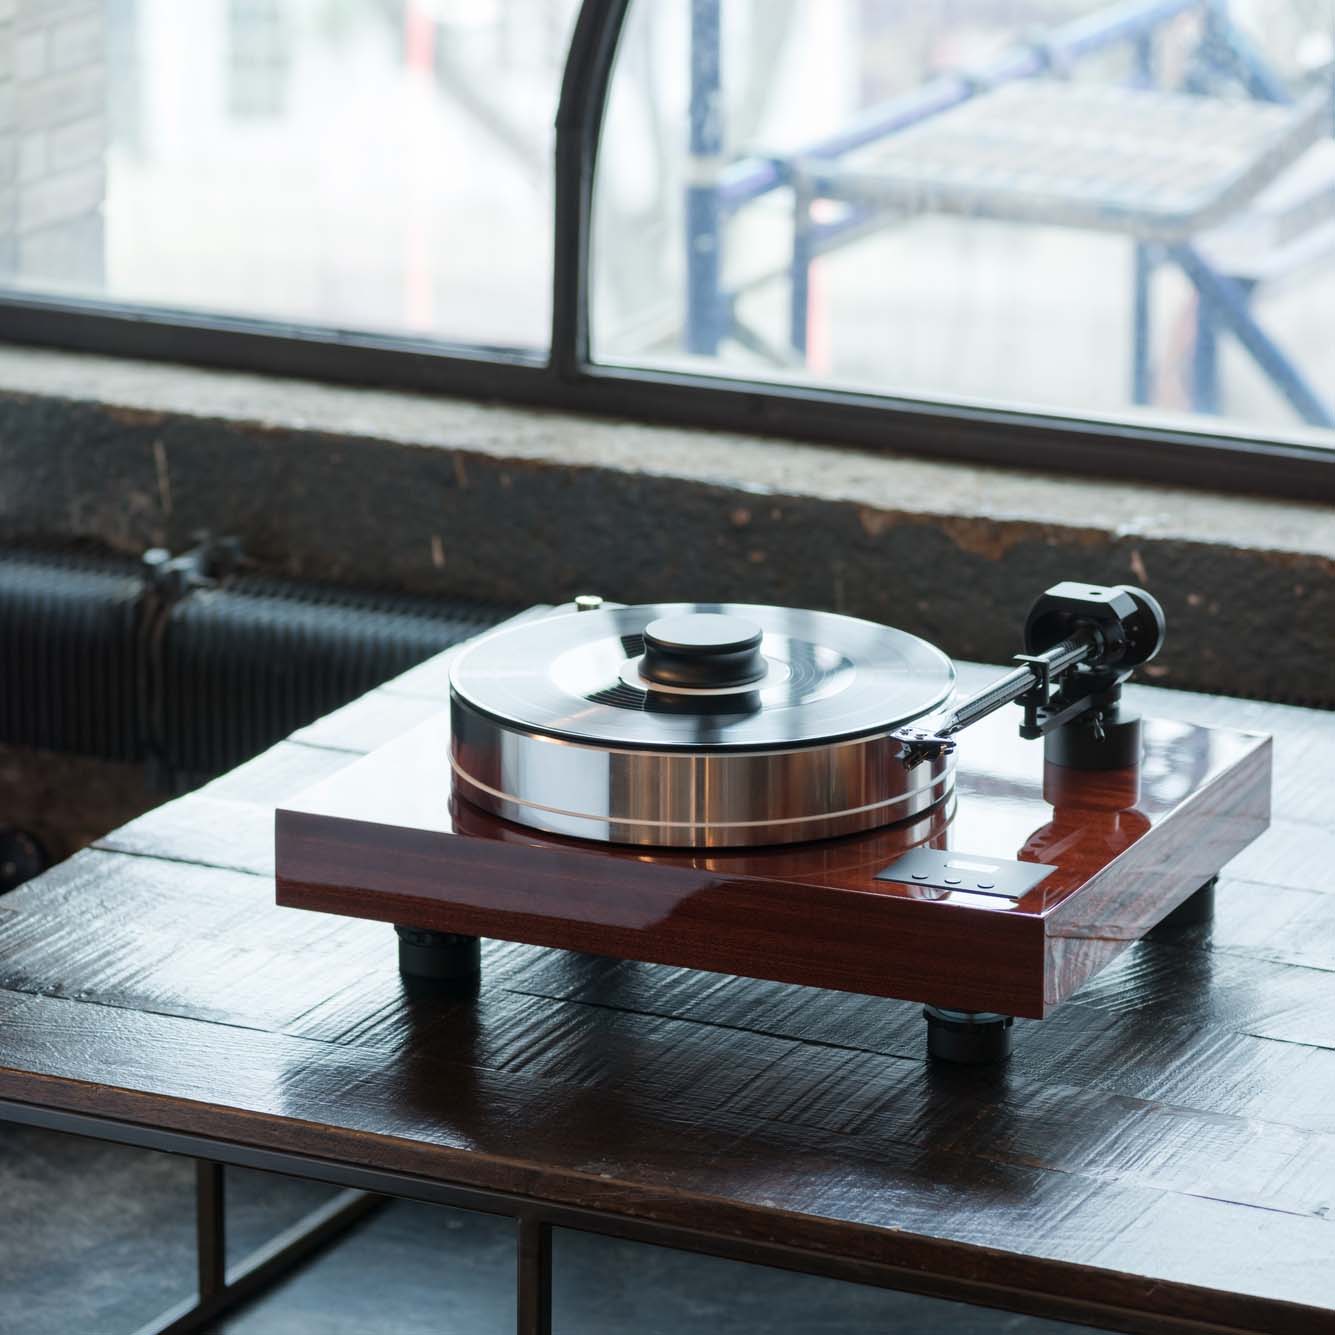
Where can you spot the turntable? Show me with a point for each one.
(790, 795)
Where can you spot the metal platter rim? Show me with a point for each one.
(937, 672)
(940, 783)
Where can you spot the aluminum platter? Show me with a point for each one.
(696, 724)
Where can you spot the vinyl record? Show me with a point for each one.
(582, 677)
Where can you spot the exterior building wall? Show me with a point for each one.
(53, 140)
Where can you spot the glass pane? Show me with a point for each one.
(381, 165)
(1076, 205)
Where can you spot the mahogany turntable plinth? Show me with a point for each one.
(389, 839)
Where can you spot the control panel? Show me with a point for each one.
(947, 869)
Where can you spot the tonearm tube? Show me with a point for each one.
(1082, 641)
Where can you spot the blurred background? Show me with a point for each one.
(385, 165)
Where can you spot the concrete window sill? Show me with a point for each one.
(515, 505)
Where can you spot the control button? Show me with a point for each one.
(948, 871)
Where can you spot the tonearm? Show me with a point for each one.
(1081, 641)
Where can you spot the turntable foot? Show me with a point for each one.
(1195, 910)
(452, 962)
(967, 1038)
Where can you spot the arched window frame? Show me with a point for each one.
(568, 378)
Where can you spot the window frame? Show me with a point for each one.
(566, 377)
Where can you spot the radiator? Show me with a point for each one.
(72, 654)
(244, 664)
(190, 664)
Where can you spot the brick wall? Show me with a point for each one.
(53, 137)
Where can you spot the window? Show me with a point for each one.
(1095, 235)
(367, 164)
(1124, 212)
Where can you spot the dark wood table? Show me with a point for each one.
(1158, 1155)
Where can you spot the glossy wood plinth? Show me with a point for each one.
(387, 839)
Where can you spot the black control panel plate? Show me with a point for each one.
(949, 869)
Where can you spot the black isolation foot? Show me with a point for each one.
(443, 959)
(1196, 910)
(967, 1038)
(1109, 739)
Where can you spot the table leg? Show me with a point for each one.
(704, 216)
(799, 295)
(533, 1307)
(1228, 301)
(1142, 382)
(1205, 360)
(210, 1228)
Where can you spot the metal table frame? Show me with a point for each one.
(364, 1189)
(221, 1287)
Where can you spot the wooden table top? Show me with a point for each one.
(1164, 1143)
